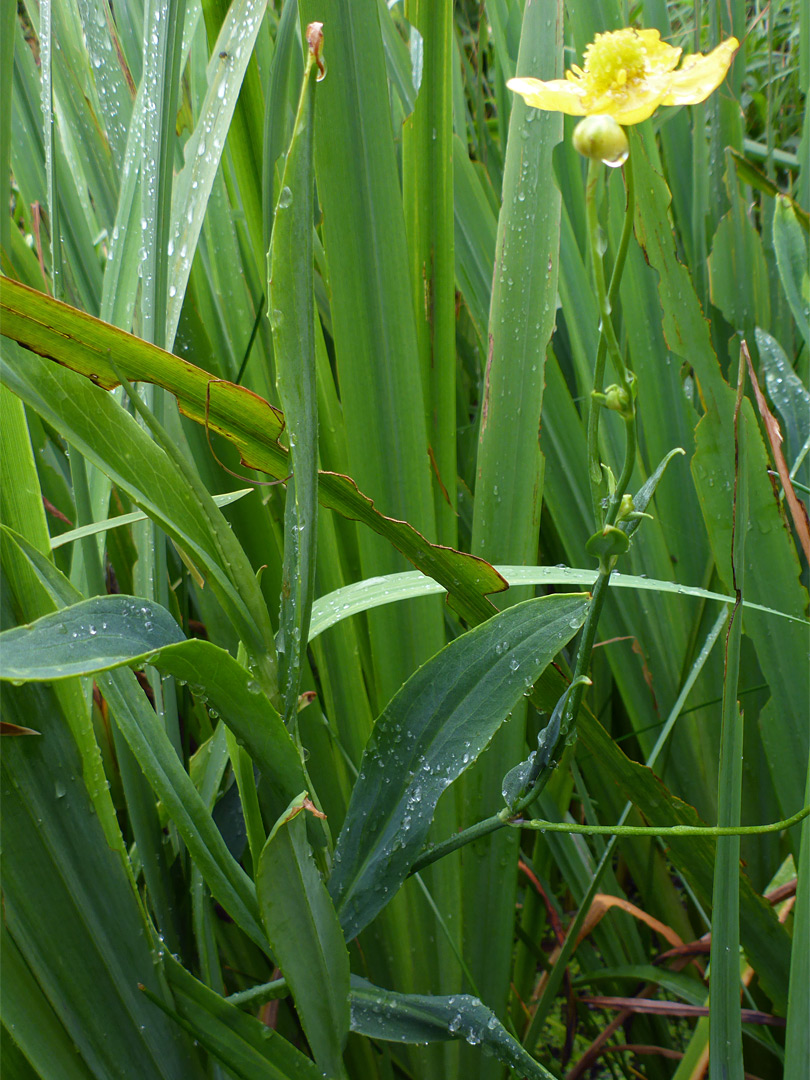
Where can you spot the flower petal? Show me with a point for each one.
(660, 57)
(558, 95)
(637, 103)
(700, 75)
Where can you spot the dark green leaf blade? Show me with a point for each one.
(252, 1050)
(305, 936)
(92, 635)
(428, 734)
(69, 905)
(230, 689)
(791, 258)
(291, 298)
(417, 1018)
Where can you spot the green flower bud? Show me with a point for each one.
(617, 399)
(602, 138)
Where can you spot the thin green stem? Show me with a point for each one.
(594, 469)
(597, 266)
(627, 470)
(460, 839)
(574, 701)
(539, 825)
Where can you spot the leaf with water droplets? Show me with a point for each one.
(418, 1018)
(428, 734)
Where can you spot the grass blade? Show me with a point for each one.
(427, 154)
(242, 1043)
(725, 1026)
(382, 1014)
(509, 474)
(305, 936)
(290, 291)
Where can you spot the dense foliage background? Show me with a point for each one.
(175, 902)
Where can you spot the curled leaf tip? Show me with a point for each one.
(314, 37)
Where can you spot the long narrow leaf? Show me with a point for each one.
(305, 936)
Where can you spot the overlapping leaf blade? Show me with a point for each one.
(428, 734)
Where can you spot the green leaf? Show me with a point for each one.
(427, 167)
(84, 344)
(304, 934)
(110, 438)
(30, 1022)
(517, 780)
(786, 721)
(643, 497)
(608, 543)
(510, 466)
(725, 1025)
(417, 1018)
(291, 302)
(791, 258)
(428, 734)
(93, 635)
(372, 310)
(244, 1045)
(737, 255)
(351, 599)
(96, 527)
(230, 689)
(787, 392)
(226, 75)
(71, 909)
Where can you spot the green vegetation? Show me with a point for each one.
(351, 730)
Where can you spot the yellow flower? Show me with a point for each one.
(628, 74)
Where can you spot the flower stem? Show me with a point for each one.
(594, 468)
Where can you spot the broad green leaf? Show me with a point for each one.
(305, 936)
(427, 165)
(417, 1018)
(428, 734)
(244, 1045)
(510, 464)
(230, 689)
(93, 635)
(291, 302)
(372, 310)
(109, 437)
(787, 392)
(85, 344)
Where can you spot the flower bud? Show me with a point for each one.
(602, 138)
